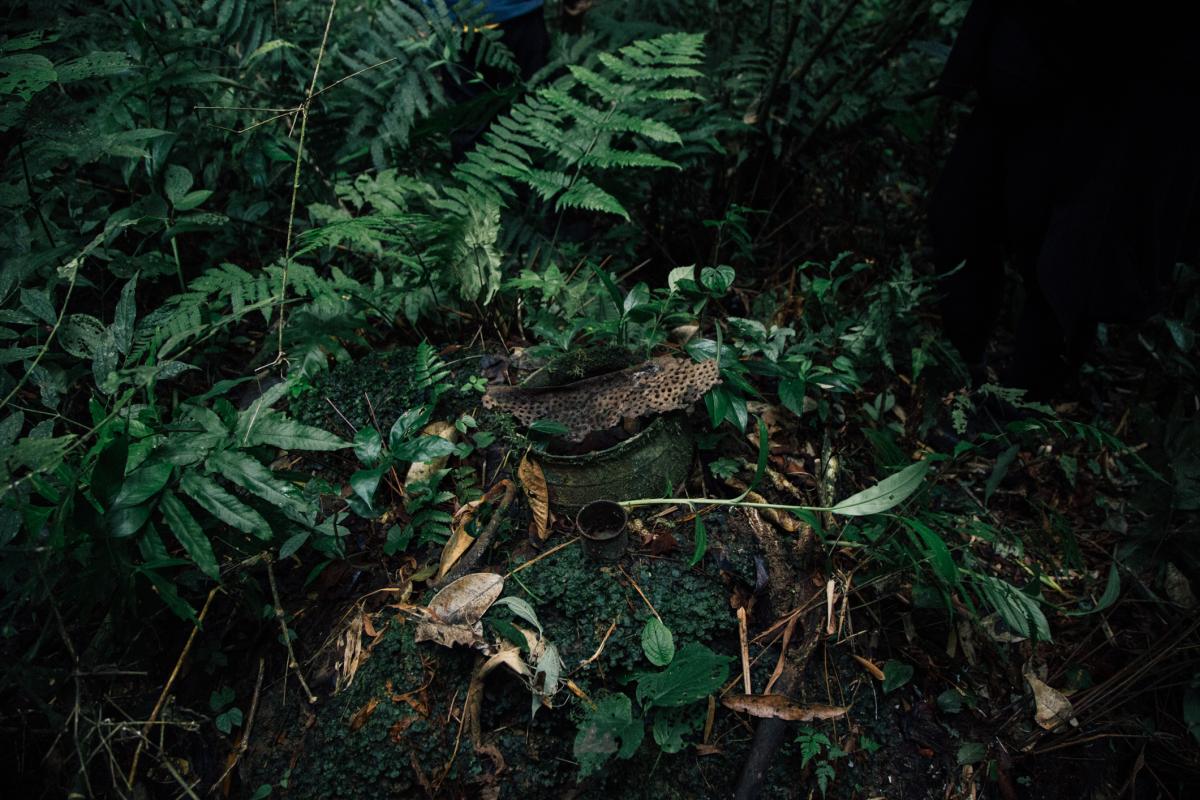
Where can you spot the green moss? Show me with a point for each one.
(582, 362)
(577, 600)
(384, 376)
(342, 762)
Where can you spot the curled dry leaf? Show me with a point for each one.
(870, 667)
(778, 706)
(350, 642)
(533, 481)
(423, 470)
(510, 656)
(453, 615)
(460, 540)
(361, 716)
(1053, 708)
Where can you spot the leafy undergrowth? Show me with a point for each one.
(251, 306)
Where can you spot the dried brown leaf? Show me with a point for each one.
(778, 706)
(423, 470)
(361, 716)
(453, 614)
(533, 481)
(460, 540)
(1052, 706)
(870, 667)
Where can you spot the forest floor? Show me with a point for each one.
(938, 702)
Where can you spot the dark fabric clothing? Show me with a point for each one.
(1080, 162)
(527, 38)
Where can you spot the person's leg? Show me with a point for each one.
(965, 219)
(527, 38)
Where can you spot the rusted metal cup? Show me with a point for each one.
(601, 525)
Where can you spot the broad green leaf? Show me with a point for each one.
(999, 471)
(937, 551)
(109, 469)
(1019, 611)
(223, 505)
(96, 64)
(764, 450)
(267, 47)
(288, 434)
(364, 482)
(190, 534)
(39, 455)
(669, 729)
(125, 316)
(256, 479)
(407, 425)
(293, 543)
(886, 494)
(25, 74)
(716, 400)
(614, 293)
(682, 277)
(142, 484)
(127, 521)
(607, 731)
(38, 303)
(701, 543)
(368, 446)
(424, 448)
(895, 675)
(550, 427)
(1112, 590)
(971, 752)
(169, 594)
(657, 642)
(105, 359)
(791, 394)
(11, 427)
(176, 182)
(694, 673)
(520, 608)
(193, 199)
(717, 279)
(79, 335)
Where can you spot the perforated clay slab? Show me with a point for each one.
(659, 385)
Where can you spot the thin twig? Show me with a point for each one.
(745, 650)
(287, 245)
(538, 558)
(244, 742)
(641, 594)
(166, 690)
(600, 649)
(287, 639)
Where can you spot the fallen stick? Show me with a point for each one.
(162, 697)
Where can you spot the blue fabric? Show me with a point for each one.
(500, 10)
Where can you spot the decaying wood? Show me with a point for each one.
(785, 591)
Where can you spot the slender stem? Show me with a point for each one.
(33, 200)
(287, 245)
(62, 312)
(166, 690)
(704, 501)
(293, 664)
